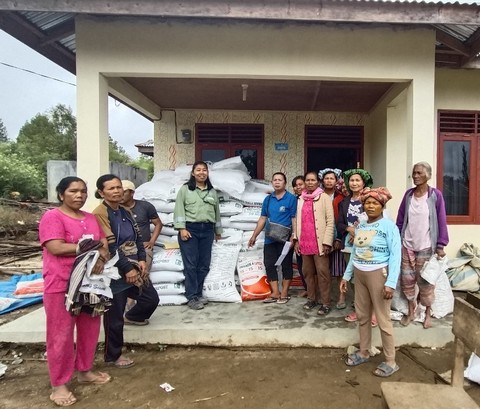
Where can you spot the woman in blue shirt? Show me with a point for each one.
(375, 261)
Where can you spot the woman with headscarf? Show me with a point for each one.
(329, 180)
(313, 237)
(422, 222)
(350, 213)
(375, 261)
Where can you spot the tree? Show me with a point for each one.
(3, 132)
(144, 162)
(49, 136)
(18, 175)
(116, 152)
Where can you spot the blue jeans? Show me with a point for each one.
(196, 256)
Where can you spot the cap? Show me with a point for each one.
(127, 185)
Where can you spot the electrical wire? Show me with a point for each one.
(36, 73)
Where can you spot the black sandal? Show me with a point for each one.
(324, 310)
(309, 305)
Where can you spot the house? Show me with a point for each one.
(289, 85)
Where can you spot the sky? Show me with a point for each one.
(23, 95)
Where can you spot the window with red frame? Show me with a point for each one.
(215, 142)
(459, 165)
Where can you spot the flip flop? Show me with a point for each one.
(63, 401)
(384, 370)
(139, 323)
(283, 300)
(270, 300)
(356, 359)
(100, 379)
(121, 363)
(352, 317)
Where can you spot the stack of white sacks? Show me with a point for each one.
(241, 199)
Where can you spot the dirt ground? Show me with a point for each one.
(207, 378)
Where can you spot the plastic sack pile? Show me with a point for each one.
(241, 199)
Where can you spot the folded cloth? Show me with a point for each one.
(94, 299)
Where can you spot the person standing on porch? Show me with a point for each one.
(298, 185)
(313, 238)
(197, 218)
(375, 262)
(422, 221)
(329, 179)
(278, 208)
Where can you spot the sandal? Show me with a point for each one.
(374, 322)
(63, 401)
(270, 300)
(341, 306)
(352, 317)
(139, 323)
(283, 300)
(121, 363)
(384, 370)
(355, 359)
(324, 310)
(100, 378)
(309, 305)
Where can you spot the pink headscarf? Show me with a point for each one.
(380, 194)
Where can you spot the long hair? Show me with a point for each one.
(192, 184)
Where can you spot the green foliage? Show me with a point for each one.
(50, 136)
(18, 175)
(3, 132)
(144, 162)
(116, 152)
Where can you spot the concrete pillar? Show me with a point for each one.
(92, 130)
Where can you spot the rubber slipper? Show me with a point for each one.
(100, 379)
(355, 359)
(270, 300)
(384, 370)
(341, 306)
(139, 323)
(352, 317)
(283, 300)
(122, 363)
(63, 401)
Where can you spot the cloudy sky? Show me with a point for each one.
(23, 95)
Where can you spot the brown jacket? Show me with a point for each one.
(324, 220)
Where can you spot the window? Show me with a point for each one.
(218, 141)
(459, 168)
(333, 147)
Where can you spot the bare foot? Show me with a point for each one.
(427, 323)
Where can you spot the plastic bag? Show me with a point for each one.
(432, 269)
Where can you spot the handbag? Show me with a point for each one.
(276, 231)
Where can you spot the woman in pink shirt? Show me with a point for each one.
(60, 231)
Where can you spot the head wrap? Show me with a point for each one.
(366, 177)
(381, 194)
(336, 172)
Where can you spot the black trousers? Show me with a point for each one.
(147, 302)
(271, 253)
